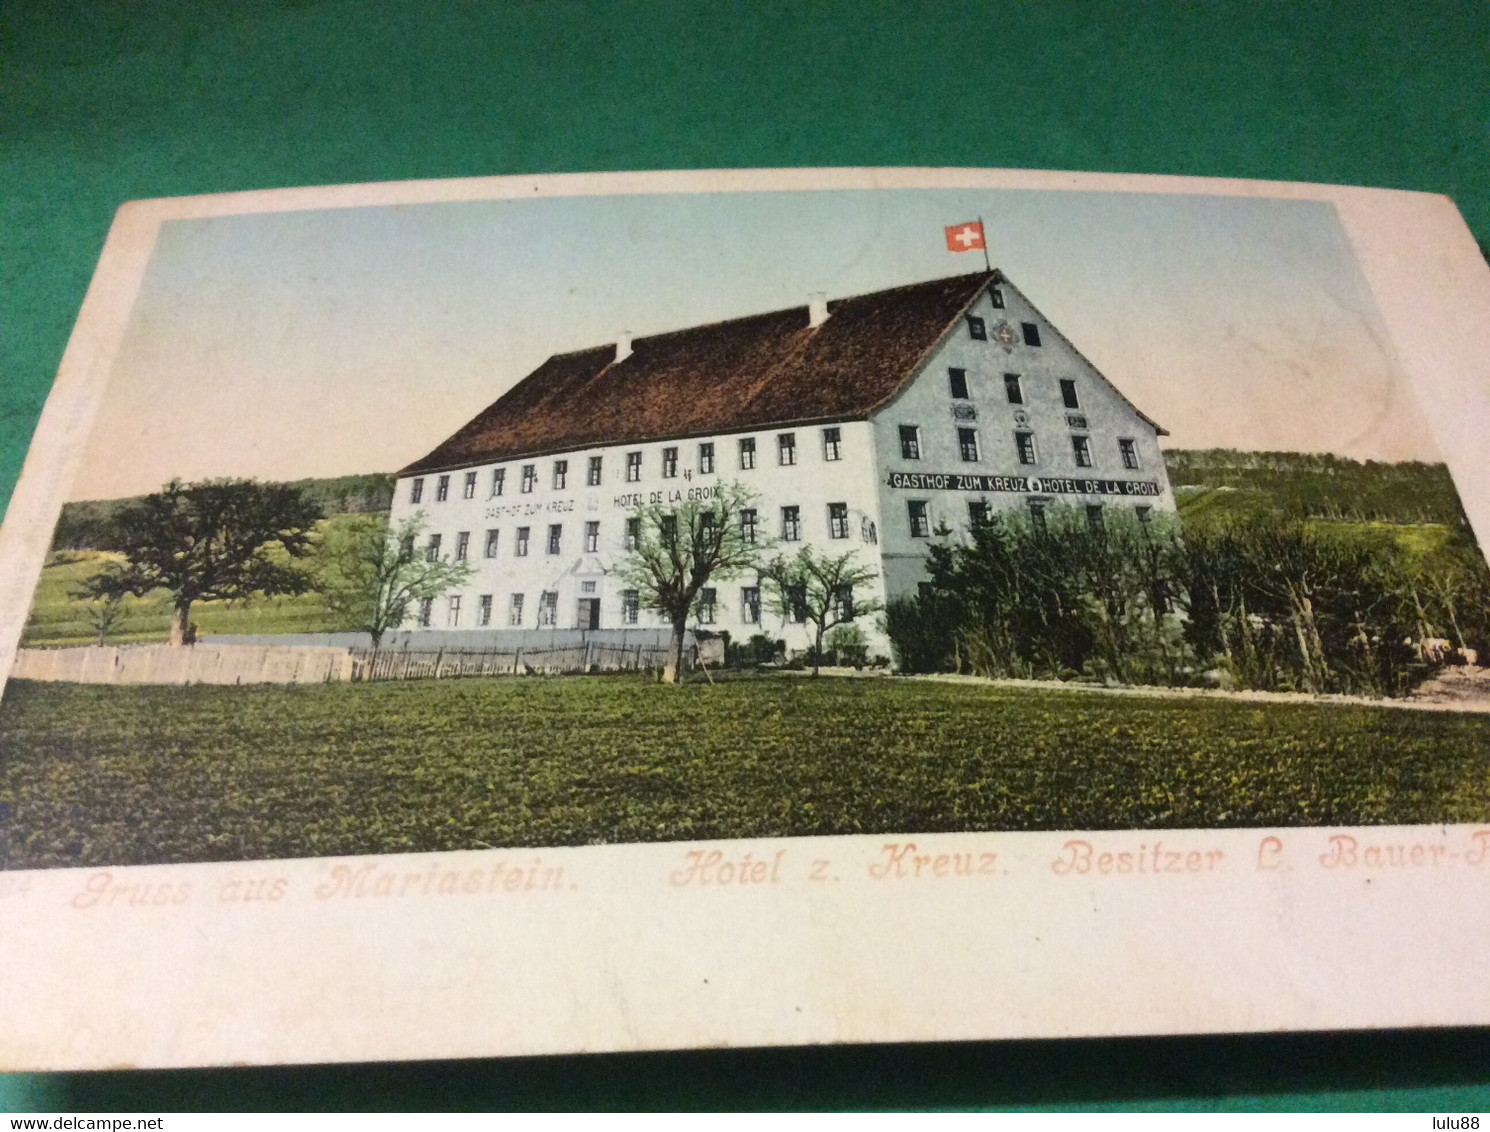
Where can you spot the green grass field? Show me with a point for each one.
(58, 618)
(94, 775)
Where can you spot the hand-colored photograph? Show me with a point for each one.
(674, 517)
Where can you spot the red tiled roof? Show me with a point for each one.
(767, 370)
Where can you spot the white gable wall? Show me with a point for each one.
(1055, 478)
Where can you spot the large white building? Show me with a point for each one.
(863, 423)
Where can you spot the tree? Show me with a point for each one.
(105, 614)
(219, 540)
(371, 572)
(679, 550)
(819, 588)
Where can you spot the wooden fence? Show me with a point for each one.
(440, 664)
(261, 664)
(200, 664)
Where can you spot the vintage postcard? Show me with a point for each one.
(627, 612)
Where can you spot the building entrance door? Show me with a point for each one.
(589, 613)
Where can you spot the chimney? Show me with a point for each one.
(623, 345)
(817, 308)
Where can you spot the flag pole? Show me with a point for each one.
(986, 265)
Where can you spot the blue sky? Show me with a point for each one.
(316, 343)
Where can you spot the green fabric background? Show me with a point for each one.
(106, 102)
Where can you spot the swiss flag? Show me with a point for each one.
(966, 237)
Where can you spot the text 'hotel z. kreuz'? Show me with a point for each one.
(863, 423)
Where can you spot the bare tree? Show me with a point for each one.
(373, 573)
(820, 589)
(679, 550)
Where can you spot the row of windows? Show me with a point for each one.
(980, 511)
(978, 329)
(786, 456)
(791, 531)
(1024, 444)
(1013, 388)
(707, 610)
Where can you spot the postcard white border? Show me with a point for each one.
(1265, 933)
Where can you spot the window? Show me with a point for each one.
(416, 490)
(1025, 443)
(1082, 447)
(530, 477)
(483, 610)
(706, 458)
(1068, 393)
(498, 481)
(747, 453)
(786, 449)
(1129, 452)
(1144, 512)
(592, 477)
(426, 612)
(957, 380)
(515, 610)
(1012, 389)
(561, 474)
(452, 613)
(669, 463)
(747, 525)
(997, 296)
(910, 442)
(791, 524)
(633, 533)
(491, 544)
(843, 603)
(796, 603)
(1094, 516)
(750, 605)
(522, 542)
(1031, 333)
(468, 489)
(406, 549)
(432, 549)
(708, 600)
(832, 444)
(442, 489)
(920, 520)
(977, 512)
(631, 604)
(633, 467)
(667, 530)
(555, 537)
(587, 587)
(592, 536)
(976, 329)
(548, 609)
(462, 546)
(705, 529)
(967, 444)
(1037, 514)
(838, 520)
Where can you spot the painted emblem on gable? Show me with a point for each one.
(1005, 334)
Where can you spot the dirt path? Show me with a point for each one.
(1453, 689)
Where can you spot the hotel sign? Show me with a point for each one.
(1028, 485)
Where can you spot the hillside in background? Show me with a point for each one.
(88, 525)
(1313, 486)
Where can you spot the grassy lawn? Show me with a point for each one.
(118, 775)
